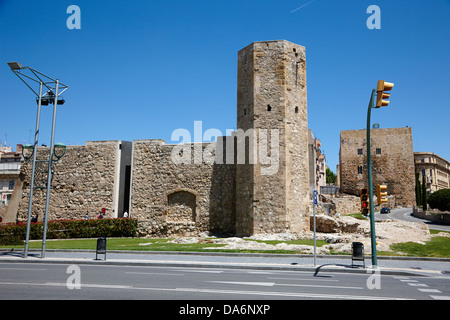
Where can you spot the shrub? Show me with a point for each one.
(11, 241)
(440, 200)
(69, 229)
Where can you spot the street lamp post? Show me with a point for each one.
(52, 95)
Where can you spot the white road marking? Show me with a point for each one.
(430, 290)
(217, 291)
(303, 279)
(271, 284)
(418, 284)
(440, 297)
(153, 273)
(203, 271)
(266, 284)
(23, 269)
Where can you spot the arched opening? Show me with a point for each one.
(182, 206)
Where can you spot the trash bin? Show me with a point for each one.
(358, 252)
(101, 247)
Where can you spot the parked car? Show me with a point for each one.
(385, 210)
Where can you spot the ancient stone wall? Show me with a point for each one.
(84, 181)
(253, 182)
(171, 198)
(392, 162)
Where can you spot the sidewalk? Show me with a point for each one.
(387, 265)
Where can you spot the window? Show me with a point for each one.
(359, 151)
(360, 169)
(378, 150)
(296, 109)
(269, 107)
(12, 184)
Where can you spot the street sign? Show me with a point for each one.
(314, 217)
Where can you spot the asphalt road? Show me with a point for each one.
(405, 214)
(63, 282)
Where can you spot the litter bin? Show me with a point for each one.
(358, 252)
(101, 247)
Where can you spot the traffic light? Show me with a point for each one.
(381, 194)
(364, 201)
(381, 95)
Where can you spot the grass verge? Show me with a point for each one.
(437, 247)
(138, 244)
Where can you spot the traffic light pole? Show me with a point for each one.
(369, 173)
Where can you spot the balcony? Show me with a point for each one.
(10, 167)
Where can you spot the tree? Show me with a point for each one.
(331, 177)
(440, 200)
(418, 190)
(424, 192)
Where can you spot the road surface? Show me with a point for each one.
(35, 281)
(405, 214)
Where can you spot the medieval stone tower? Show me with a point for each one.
(272, 191)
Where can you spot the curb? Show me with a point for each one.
(236, 254)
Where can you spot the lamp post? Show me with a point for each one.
(52, 95)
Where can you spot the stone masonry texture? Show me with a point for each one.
(255, 181)
(392, 162)
(272, 99)
(83, 182)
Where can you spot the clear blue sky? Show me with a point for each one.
(141, 69)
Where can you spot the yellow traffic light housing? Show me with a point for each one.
(381, 194)
(364, 193)
(381, 95)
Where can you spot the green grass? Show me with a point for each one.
(131, 244)
(436, 247)
(137, 244)
(359, 216)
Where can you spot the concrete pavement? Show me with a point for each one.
(387, 265)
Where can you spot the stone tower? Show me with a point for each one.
(272, 191)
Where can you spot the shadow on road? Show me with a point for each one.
(316, 273)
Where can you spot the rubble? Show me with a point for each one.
(338, 232)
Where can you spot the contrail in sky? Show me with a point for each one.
(302, 6)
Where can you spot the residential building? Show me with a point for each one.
(317, 164)
(10, 164)
(435, 168)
